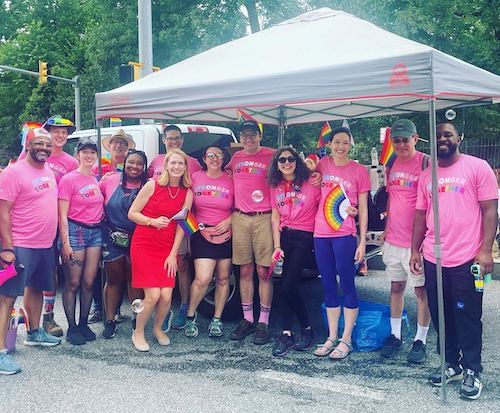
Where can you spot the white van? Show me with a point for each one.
(148, 138)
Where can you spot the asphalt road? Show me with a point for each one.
(204, 374)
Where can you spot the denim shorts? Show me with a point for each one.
(81, 237)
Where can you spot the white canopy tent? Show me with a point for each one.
(321, 65)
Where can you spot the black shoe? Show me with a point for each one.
(75, 336)
(95, 316)
(87, 332)
(243, 329)
(109, 329)
(471, 386)
(283, 345)
(417, 352)
(391, 346)
(452, 373)
(305, 340)
(261, 334)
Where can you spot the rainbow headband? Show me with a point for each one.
(334, 207)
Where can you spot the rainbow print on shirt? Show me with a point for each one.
(334, 208)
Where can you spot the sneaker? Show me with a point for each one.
(109, 329)
(283, 345)
(95, 316)
(261, 334)
(118, 317)
(74, 336)
(41, 338)
(471, 386)
(168, 322)
(180, 321)
(51, 326)
(391, 346)
(8, 365)
(87, 332)
(243, 329)
(215, 328)
(191, 328)
(305, 340)
(452, 373)
(417, 352)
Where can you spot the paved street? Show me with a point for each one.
(206, 374)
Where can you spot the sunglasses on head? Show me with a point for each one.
(212, 155)
(284, 159)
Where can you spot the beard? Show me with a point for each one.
(38, 155)
(449, 152)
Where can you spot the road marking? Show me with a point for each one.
(323, 384)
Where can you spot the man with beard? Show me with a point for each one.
(28, 224)
(468, 197)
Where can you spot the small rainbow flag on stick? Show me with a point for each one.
(186, 220)
(334, 208)
(324, 135)
(27, 126)
(387, 155)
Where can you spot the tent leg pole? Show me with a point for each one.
(437, 245)
(282, 126)
(99, 149)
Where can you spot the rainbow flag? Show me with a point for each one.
(27, 126)
(387, 154)
(186, 220)
(324, 135)
(244, 116)
(333, 210)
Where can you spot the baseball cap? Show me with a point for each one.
(86, 142)
(36, 133)
(250, 124)
(403, 128)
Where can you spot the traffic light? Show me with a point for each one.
(43, 72)
(126, 74)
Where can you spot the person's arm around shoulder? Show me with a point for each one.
(135, 211)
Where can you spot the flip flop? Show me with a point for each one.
(326, 348)
(342, 354)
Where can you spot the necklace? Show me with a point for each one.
(170, 193)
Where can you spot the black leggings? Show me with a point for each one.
(298, 247)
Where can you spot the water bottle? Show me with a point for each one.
(475, 270)
(137, 306)
(374, 156)
(278, 267)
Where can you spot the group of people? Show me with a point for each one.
(260, 209)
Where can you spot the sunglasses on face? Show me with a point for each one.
(400, 140)
(289, 159)
(211, 155)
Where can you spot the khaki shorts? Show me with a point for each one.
(252, 239)
(397, 265)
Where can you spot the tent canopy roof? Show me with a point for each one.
(321, 65)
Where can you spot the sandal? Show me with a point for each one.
(327, 347)
(338, 354)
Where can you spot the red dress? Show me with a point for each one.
(150, 247)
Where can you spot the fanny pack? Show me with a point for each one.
(119, 237)
(211, 235)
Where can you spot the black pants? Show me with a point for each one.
(298, 247)
(463, 309)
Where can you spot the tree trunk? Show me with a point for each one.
(252, 15)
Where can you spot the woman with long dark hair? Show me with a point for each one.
(294, 203)
(120, 189)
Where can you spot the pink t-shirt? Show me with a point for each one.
(86, 202)
(355, 180)
(251, 192)
(461, 187)
(109, 184)
(402, 183)
(156, 166)
(297, 206)
(60, 164)
(34, 212)
(212, 198)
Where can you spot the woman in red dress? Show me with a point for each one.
(156, 240)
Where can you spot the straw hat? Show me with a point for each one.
(119, 134)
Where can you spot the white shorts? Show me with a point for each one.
(397, 265)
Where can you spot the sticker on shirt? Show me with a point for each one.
(258, 195)
(251, 167)
(335, 207)
(332, 181)
(403, 179)
(89, 191)
(215, 191)
(42, 183)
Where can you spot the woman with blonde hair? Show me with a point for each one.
(156, 240)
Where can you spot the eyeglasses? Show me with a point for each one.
(120, 142)
(395, 141)
(248, 135)
(212, 155)
(174, 139)
(42, 144)
(289, 159)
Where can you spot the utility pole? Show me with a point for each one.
(145, 42)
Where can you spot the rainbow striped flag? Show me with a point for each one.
(244, 116)
(186, 220)
(324, 135)
(334, 208)
(387, 154)
(27, 126)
